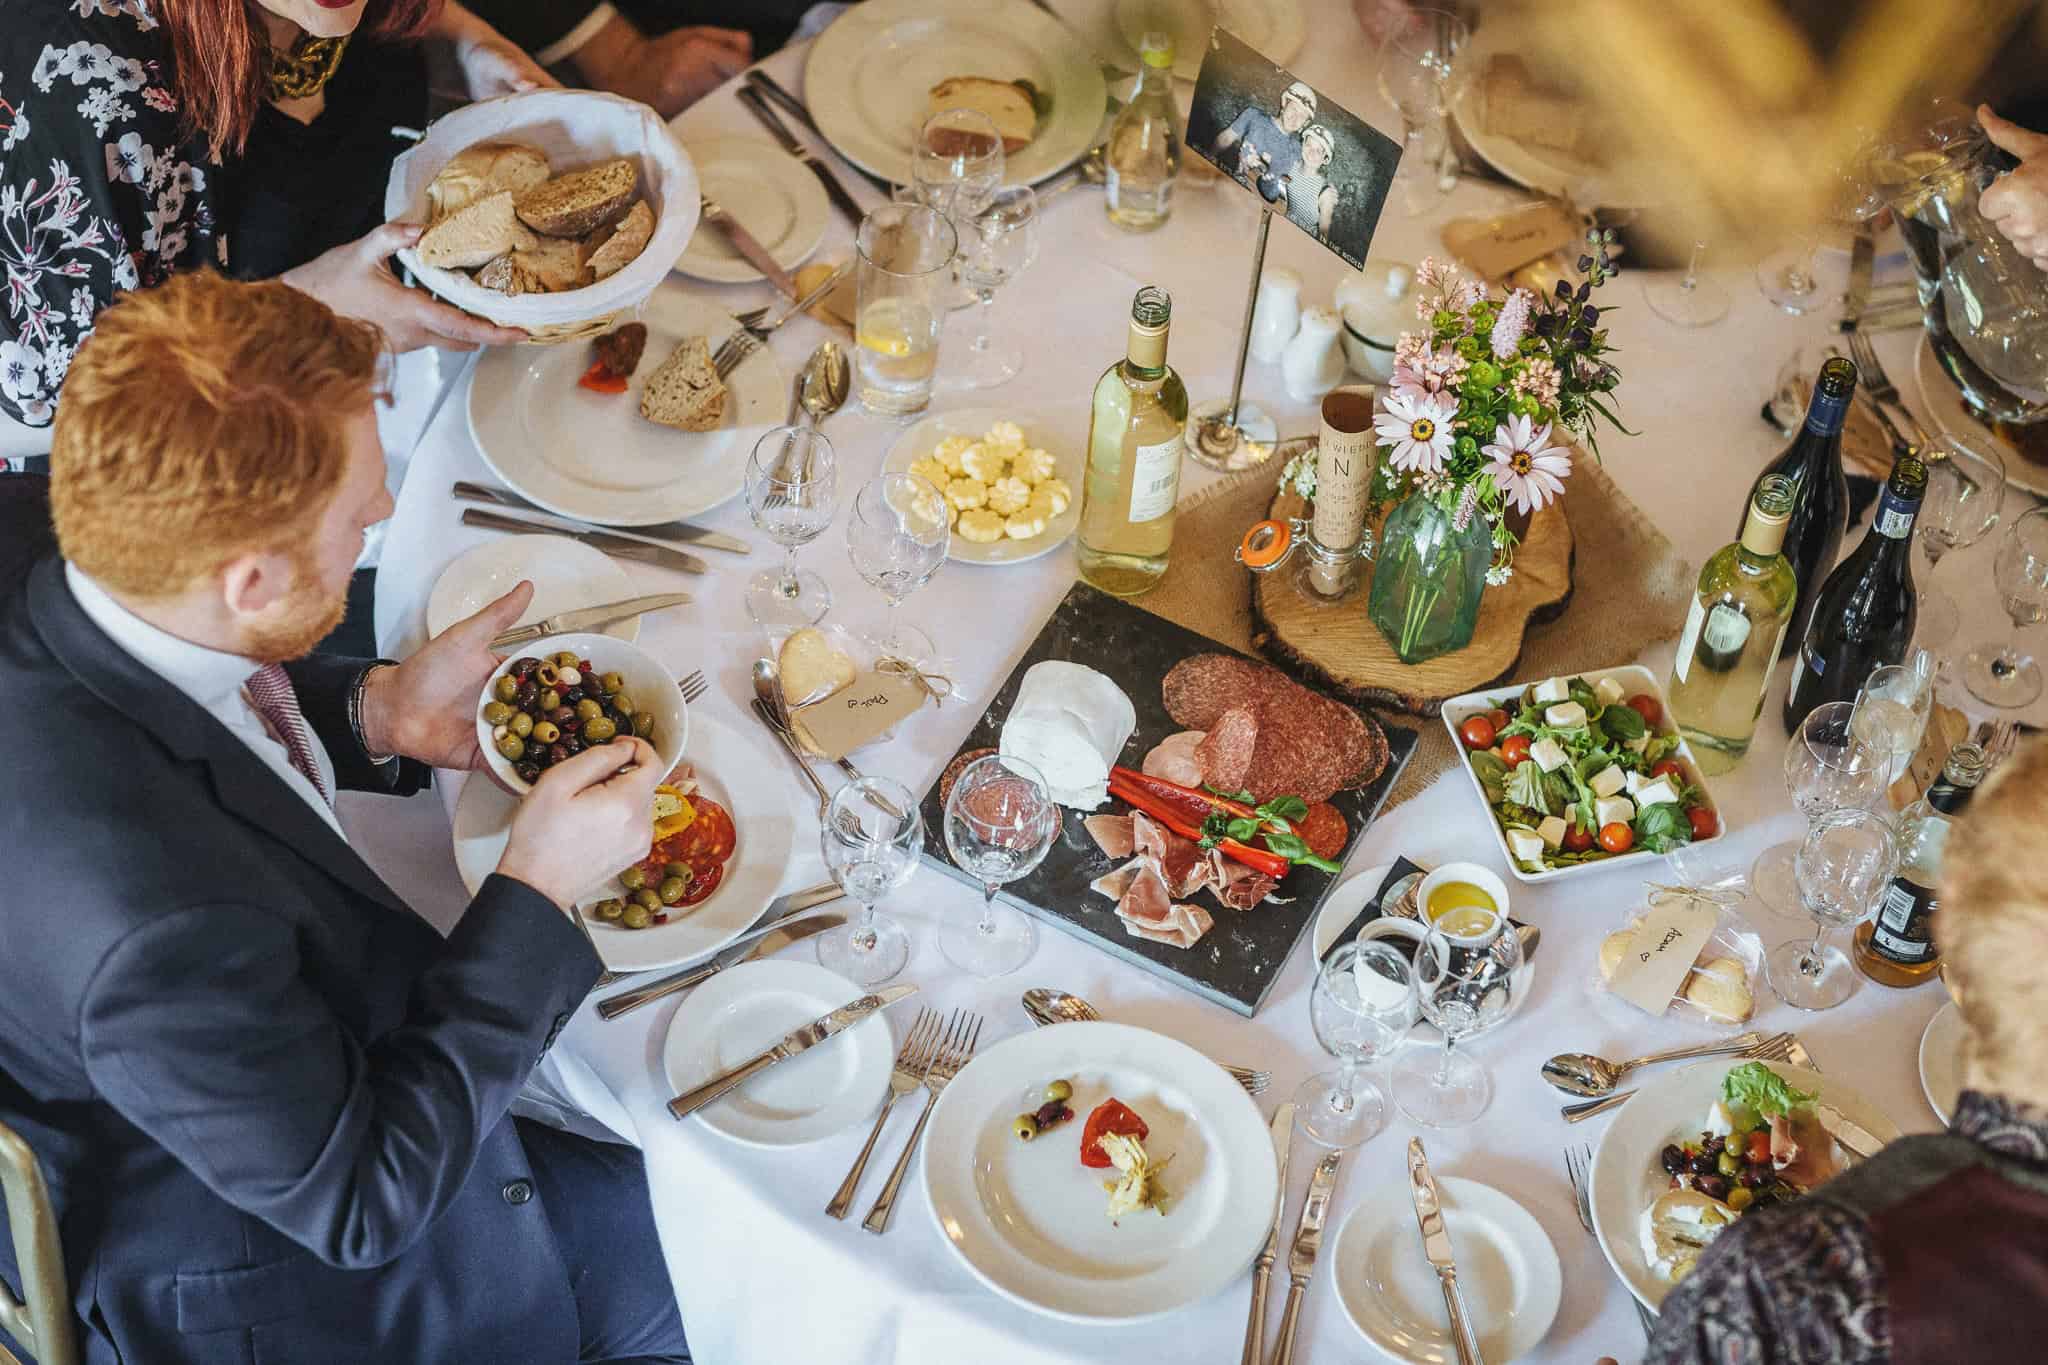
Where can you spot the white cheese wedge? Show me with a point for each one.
(1070, 722)
(1552, 829)
(1549, 755)
(1608, 780)
(1607, 691)
(1552, 689)
(1566, 715)
(1635, 783)
(1638, 744)
(1656, 793)
(1613, 810)
(1526, 845)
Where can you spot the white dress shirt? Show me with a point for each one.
(213, 679)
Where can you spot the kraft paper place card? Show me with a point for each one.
(1667, 943)
(865, 709)
(1496, 247)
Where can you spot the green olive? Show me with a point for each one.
(505, 688)
(511, 746)
(599, 730)
(1728, 1163)
(672, 889)
(497, 713)
(612, 683)
(647, 900)
(643, 724)
(546, 675)
(546, 732)
(633, 878)
(1740, 1198)
(550, 699)
(620, 702)
(1059, 1092)
(636, 916)
(683, 870)
(521, 724)
(1025, 1126)
(609, 909)
(589, 707)
(565, 660)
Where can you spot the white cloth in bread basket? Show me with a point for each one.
(573, 128)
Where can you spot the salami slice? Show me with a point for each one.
(1307, 745)
(1226, 752)
(955, 768)
(1324, 830)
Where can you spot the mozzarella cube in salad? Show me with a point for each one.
(1633, 783)
(1526, 845)
(1608, 780)
(1550, 690)
(1552, 830)
(1613, 810)
(1656, 793)
(1549, 755)
(1566, 715)
(1607, 691)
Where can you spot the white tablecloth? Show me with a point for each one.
(762, 1274)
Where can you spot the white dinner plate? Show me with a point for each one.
(919, 440)
(747, 1009)
(1342, 905)
(1029, 1219)
(736, 769)
(869, 77)
(769, 192)
(591, 455)
(1628, 1175)
(1941, 1060)
(566, 575)
(1507, 1270)
(1272, 28)
(1942, 404)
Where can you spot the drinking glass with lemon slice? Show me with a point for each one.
(905, 266)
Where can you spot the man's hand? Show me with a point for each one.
(491, 64)
(670, 72)
(425, 708)
(2017, 204)
(354, 281)
(584, 818)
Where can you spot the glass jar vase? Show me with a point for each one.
(1427, 579)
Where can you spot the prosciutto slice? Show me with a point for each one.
(1112, 834)
(1237, 886)
(1174, 759)
(1802, 1151)
(1148, 912)
(1115, 882)
(1180, 861)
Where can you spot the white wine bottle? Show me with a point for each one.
(1739, 614)
(1141, 158)
(1134, 450)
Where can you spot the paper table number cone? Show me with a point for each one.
(1345, 458)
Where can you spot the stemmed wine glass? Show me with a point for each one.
(1466, 984)
(1827, 768)
(1787, 277)
(1000, 822)
(1420, 76)
(897, 537)
(997, 245)
(872, 837)
(792, 493)
(1998, 673)
(1843, 866)
(1965, 484)
(1361, 1006)
(1689, 300)
(955, 168)
(1891, 711)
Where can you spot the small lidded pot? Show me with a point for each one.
(1377, 305)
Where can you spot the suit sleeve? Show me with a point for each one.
(322, 683)
(201, 1030)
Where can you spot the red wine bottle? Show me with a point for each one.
(1820, 507)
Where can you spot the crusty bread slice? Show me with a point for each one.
(1007, 104)
(475, 235)
(581, 202)
(550, 266)
(685, 392)
(481, 170)
(611, 250)
(811, 668)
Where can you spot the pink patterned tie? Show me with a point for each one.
(270, 692)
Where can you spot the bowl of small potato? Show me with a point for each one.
(1011, 484)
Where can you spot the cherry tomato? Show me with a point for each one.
(1111, 1116)
(1759, 1144)
(1704, 826)
(1671, 767)
(1498, 719)
(1616, 837)
(1647, 707)
(1576, 839)
(1477, 732)
(1514, 750)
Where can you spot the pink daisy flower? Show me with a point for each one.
(1416, 428)
(1527, 469)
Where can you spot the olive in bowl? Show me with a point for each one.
(561, 695)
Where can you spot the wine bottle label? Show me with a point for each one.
(1901, 932)
(1726, 631)
(1695, 616)
(1894, 516)
(1155, 478)
(1827, 413)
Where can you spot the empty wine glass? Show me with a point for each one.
(897, 537)
(956, 166)
(1965, 485)
(1891, 711)
(1843, 866)
(1827, 768)
(996, 246)
(1999, 674)
(1692, 300)
(1792, 391)
(1466, 983)
(1420, 75)
(872, 837)
(1000, 822)
(1361, 1006)
(792, 493)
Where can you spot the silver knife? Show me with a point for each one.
(1262, 1272)
(1862, 253)
(589, 618)
(784, 928)
(618, 546)
(834, 191)
(1301, 1257)
(794, 1042)
(1859, 1141)
(1436, 1244)
(760, 83)
(682, 531)
(748, 245)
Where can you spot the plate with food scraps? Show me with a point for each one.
(1941, 1060)
(768, 192)
(1648, 1241)
(744, 1010)
(1603, 738)
(747, 850)
(1012, 484)
(1037, 1226)
(1508, 1272)
(566, 575)
(591, 455)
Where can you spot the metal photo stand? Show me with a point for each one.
(1231, 433)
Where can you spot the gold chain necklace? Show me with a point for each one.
(305, 70)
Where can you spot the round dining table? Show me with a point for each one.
(763, 1275)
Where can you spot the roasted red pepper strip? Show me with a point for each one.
(1258, 859)
(1111, 1116)
(600, 378)
(1173, 790)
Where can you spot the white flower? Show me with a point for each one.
(1417, 429)
(1499, 574)
(1527, 469)
(21, 370)
(130, 159)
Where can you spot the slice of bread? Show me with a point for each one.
(1720, 987)
(811, 668)
(611, 250)
(685, 392)
(550, 266)
(481, 170)
(1007, 104)
(581, 202)
(475, 235)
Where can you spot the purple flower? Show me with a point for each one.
(1511, 324)
(1589, 315)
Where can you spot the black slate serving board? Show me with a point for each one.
(1237, 961)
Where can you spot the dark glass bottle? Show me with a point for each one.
(1820, 509)
(1863, 616)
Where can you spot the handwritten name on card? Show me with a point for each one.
(866, 708)
(1496, 246)
(1666, 944)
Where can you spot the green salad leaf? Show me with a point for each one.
(1492, 773)
(1525, 788)
(1758, 1089)
(1663, 827)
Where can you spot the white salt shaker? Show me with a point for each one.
(1313, 362)
(1277, 314)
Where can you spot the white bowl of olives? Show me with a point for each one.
(560, 695)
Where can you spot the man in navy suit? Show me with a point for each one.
(270, 1101)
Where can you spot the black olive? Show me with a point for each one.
(528, 693)
(571, 695)
(559, 753)
(564, 716)
(1674, 1158)
(1713, 1186)
(524, 665)
(572, 744)
(1754, 1178)
(1713, 1145)
(1702, 1164)
(528, 771)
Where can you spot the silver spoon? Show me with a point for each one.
(1058, 1007)
(828, 378)
(1581, 1073)
(768, 687)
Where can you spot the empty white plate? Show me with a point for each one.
(565, 574)
(771, 194)
(1508, 1273)
(1941, 1060)
(747, 1009)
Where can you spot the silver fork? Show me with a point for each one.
(1578, 1165)
(920, 1046)
(1779, 1047)
(1998, 747)
(1883, 396)
(733, 350)
(694, 685)
(963, 1031)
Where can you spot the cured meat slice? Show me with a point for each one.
(1180, 861)
(1308, 745)
(1225, 753)
(1324, 830)
(1145, 901)
(1148, 913)
(1111, 833)
(1175, 759)
(1117, 880)
(1237, 886)
(1802, 1150)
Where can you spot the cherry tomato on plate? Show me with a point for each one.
(1477, 732)
(1498, 719)
(1670, 767)
(1759, 1144)
(1577, 840)
(1514, 750)
(1647, 706)
(1704, 825)
(1616, 837)
(1111, 1116)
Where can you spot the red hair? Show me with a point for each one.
(220, 60)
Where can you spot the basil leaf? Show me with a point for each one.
(1242, 829)
(1623, 723)
(1663, 827)
(1286, 808)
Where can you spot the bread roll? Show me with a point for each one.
(1720, 988)
(475, 235)
(550, 266)
(611, 250)
(581, 202)
(1613, 949)
(481, 170)
(685, 392)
